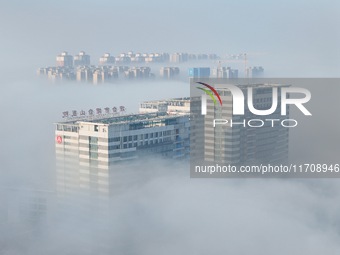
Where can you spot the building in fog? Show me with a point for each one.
(224, 72)
(107, 59)
(213, 56)
(178, 57)
(90, 150)
(58, 72)
(169, 72)
(138, 72)
(202, 56)
(64, 60)
(255, 72)
(99, 76)
(199, 72)
(84, 73)
(23, 212)
(122, 59)
(82, 59)
(239, 144)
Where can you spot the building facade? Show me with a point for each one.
(64, 60)
(82, 59)
(255, 72)
(224, 72)
(107, 59)
(239, 143)
(199, 72)
(89, 151)
(169, 72)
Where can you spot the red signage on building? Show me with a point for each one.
(59, 139)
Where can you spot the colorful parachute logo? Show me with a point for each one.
(211, 92)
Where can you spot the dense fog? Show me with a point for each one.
(158, 208)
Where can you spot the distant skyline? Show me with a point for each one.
(286, 35)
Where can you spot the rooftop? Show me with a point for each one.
(122, 119)
(256, 85)
(172, 101)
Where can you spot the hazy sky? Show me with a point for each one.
(289, 34)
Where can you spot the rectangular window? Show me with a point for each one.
(114, 139)
(93, 155)
(114, 147)
(93, 140)
(93, 147)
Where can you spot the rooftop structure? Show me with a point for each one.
(82, 59)
(64, 60)
(107, 59)
(170, 106)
